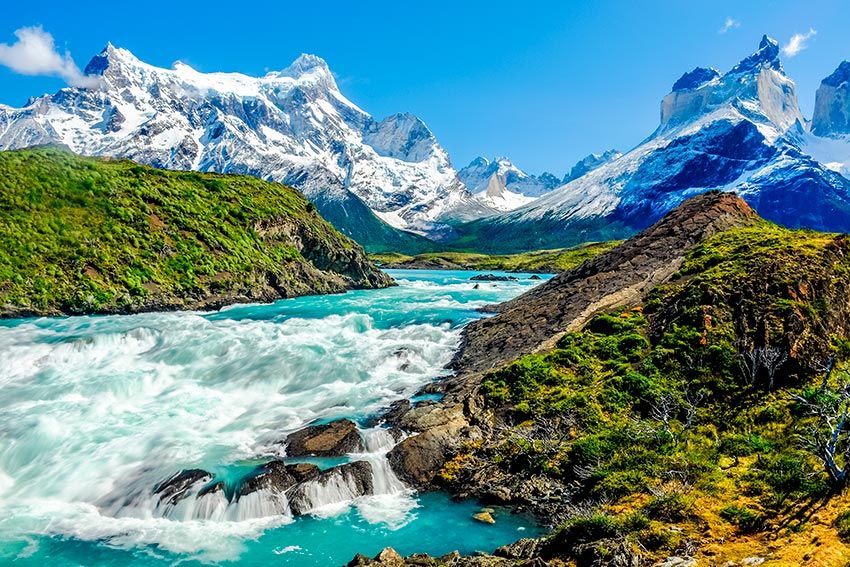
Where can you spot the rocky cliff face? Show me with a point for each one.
(832, 104)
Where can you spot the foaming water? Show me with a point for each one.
(94, 411)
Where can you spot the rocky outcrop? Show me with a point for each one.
(293, 488)
(278, 476)
(333, 439)
(621, 277)
(175, 488)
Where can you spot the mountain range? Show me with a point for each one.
(379, 181)
(740, 131)
(390, 185)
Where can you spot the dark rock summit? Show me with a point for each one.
(695, 79)
(333, 439)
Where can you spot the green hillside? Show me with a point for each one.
(80, 235)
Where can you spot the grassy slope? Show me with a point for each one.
(82, 234)
(726, 473)
(551, 261)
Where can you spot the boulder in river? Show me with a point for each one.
(277, 476)
(175, 488)
(485, 517)
(491, 278)
(333, 439)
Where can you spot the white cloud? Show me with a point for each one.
(798, 43)
(35, 54)
(729, 24)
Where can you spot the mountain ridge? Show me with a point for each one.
(293, 126)
(740, 131)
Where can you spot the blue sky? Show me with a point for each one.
(543, 83)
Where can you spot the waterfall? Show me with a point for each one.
(324, 498)
(259, 504)
(379, 441)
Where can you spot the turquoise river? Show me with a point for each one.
(94, 411)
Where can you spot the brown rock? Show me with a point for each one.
(333, 439)
(278, 476)
(484, 517)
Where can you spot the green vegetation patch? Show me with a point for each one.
(700, 394)
(549, 261)
(85, 235)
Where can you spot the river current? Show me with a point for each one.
(94, 411)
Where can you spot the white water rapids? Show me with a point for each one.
(95, 411)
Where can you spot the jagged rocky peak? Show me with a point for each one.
(590, 162)
(305, 63)
(109, 58)
(402, 136)
(477, 177)
(767, 55)
(756, 88)
(832, 104)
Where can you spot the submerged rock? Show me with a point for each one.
(484, 517)
(333, 439)
(176, 487)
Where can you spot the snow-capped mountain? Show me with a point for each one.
(589, 163)
(293, 126)
(476, 176)
(829, 139)
(741, 131)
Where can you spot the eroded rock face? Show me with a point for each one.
(333, 439)
(832, 103)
